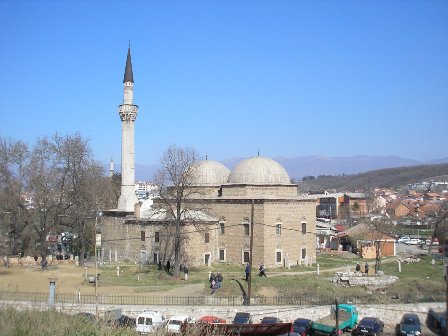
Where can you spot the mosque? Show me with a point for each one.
(218, 228)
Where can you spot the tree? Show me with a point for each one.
(14, 157)
(54, 185)
(174, 179)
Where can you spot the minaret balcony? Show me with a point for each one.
(128, 112)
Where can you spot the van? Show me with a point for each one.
(149, 321)
(175, 322)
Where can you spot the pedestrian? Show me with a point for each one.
(44, 264)
(219, 279)
(262, 271)
(168, 266)
(213, 286)
(211, 277)
(358, 267)
(366, 268)
(247, 271)
(185, 272)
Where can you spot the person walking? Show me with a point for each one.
(366, 268)
(219, 279)
(262, 270)
(358, 267)
(247, 271)
(213, 286)
(185, 272)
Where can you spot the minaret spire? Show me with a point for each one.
(128, 75)
(128, 114)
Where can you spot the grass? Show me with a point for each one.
(416, 279)
(14, 322)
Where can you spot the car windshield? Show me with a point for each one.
(175, 322)
(367, 324)
(300, 323)
(410, 327)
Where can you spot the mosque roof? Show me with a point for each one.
(209, 172)
(259, 170)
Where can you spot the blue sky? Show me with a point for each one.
(230, 78)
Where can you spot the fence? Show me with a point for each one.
(150, 299)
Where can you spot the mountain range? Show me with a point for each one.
(298, 167)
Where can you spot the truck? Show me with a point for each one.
(347, 318)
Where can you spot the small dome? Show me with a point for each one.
(209, 172)
(259, 170)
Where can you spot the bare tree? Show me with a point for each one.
(174, 179)
(55, 184)
(14, 221)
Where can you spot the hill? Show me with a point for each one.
(382, 178)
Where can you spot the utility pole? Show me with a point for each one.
(249, 286)
(336, 312)
(96, 268)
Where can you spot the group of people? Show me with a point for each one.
(366, 268)
(215, 281)
(261, 270)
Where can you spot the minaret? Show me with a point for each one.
(111, 168)
(128, 114)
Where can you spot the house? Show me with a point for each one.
(363, 240)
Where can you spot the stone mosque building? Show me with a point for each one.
(218, 229)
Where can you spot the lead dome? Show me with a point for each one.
(259, 170)
(209, 172)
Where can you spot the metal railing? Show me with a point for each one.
(151, 299)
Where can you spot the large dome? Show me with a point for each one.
(209, 172)
(259, 170)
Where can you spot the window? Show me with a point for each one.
(156, 237)
(142, 236)
(303, 227)
(222, 254)
(221, 228)
(278, 229)
(207, 237)
(303, 253)
(246, 256)
(246, 229)
(278, 257)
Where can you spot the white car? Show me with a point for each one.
(149, 321)
(404, 239)
(175, 322)
(413, 241)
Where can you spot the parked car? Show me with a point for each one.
(125, 321)
(413, 241)
(301, 327)
(212, 319)
(270, 320)
(403, 239)
(369, 326)
(409, 325)
(149, 321)
(173, 326)
(242, 318)
(434, 242)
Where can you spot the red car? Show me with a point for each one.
(212, 319)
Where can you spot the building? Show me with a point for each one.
(284, 223)
(224, 208)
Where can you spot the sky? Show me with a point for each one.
(230, 78)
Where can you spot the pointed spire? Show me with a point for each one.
(128, 75)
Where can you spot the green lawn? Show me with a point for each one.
(421, 280)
